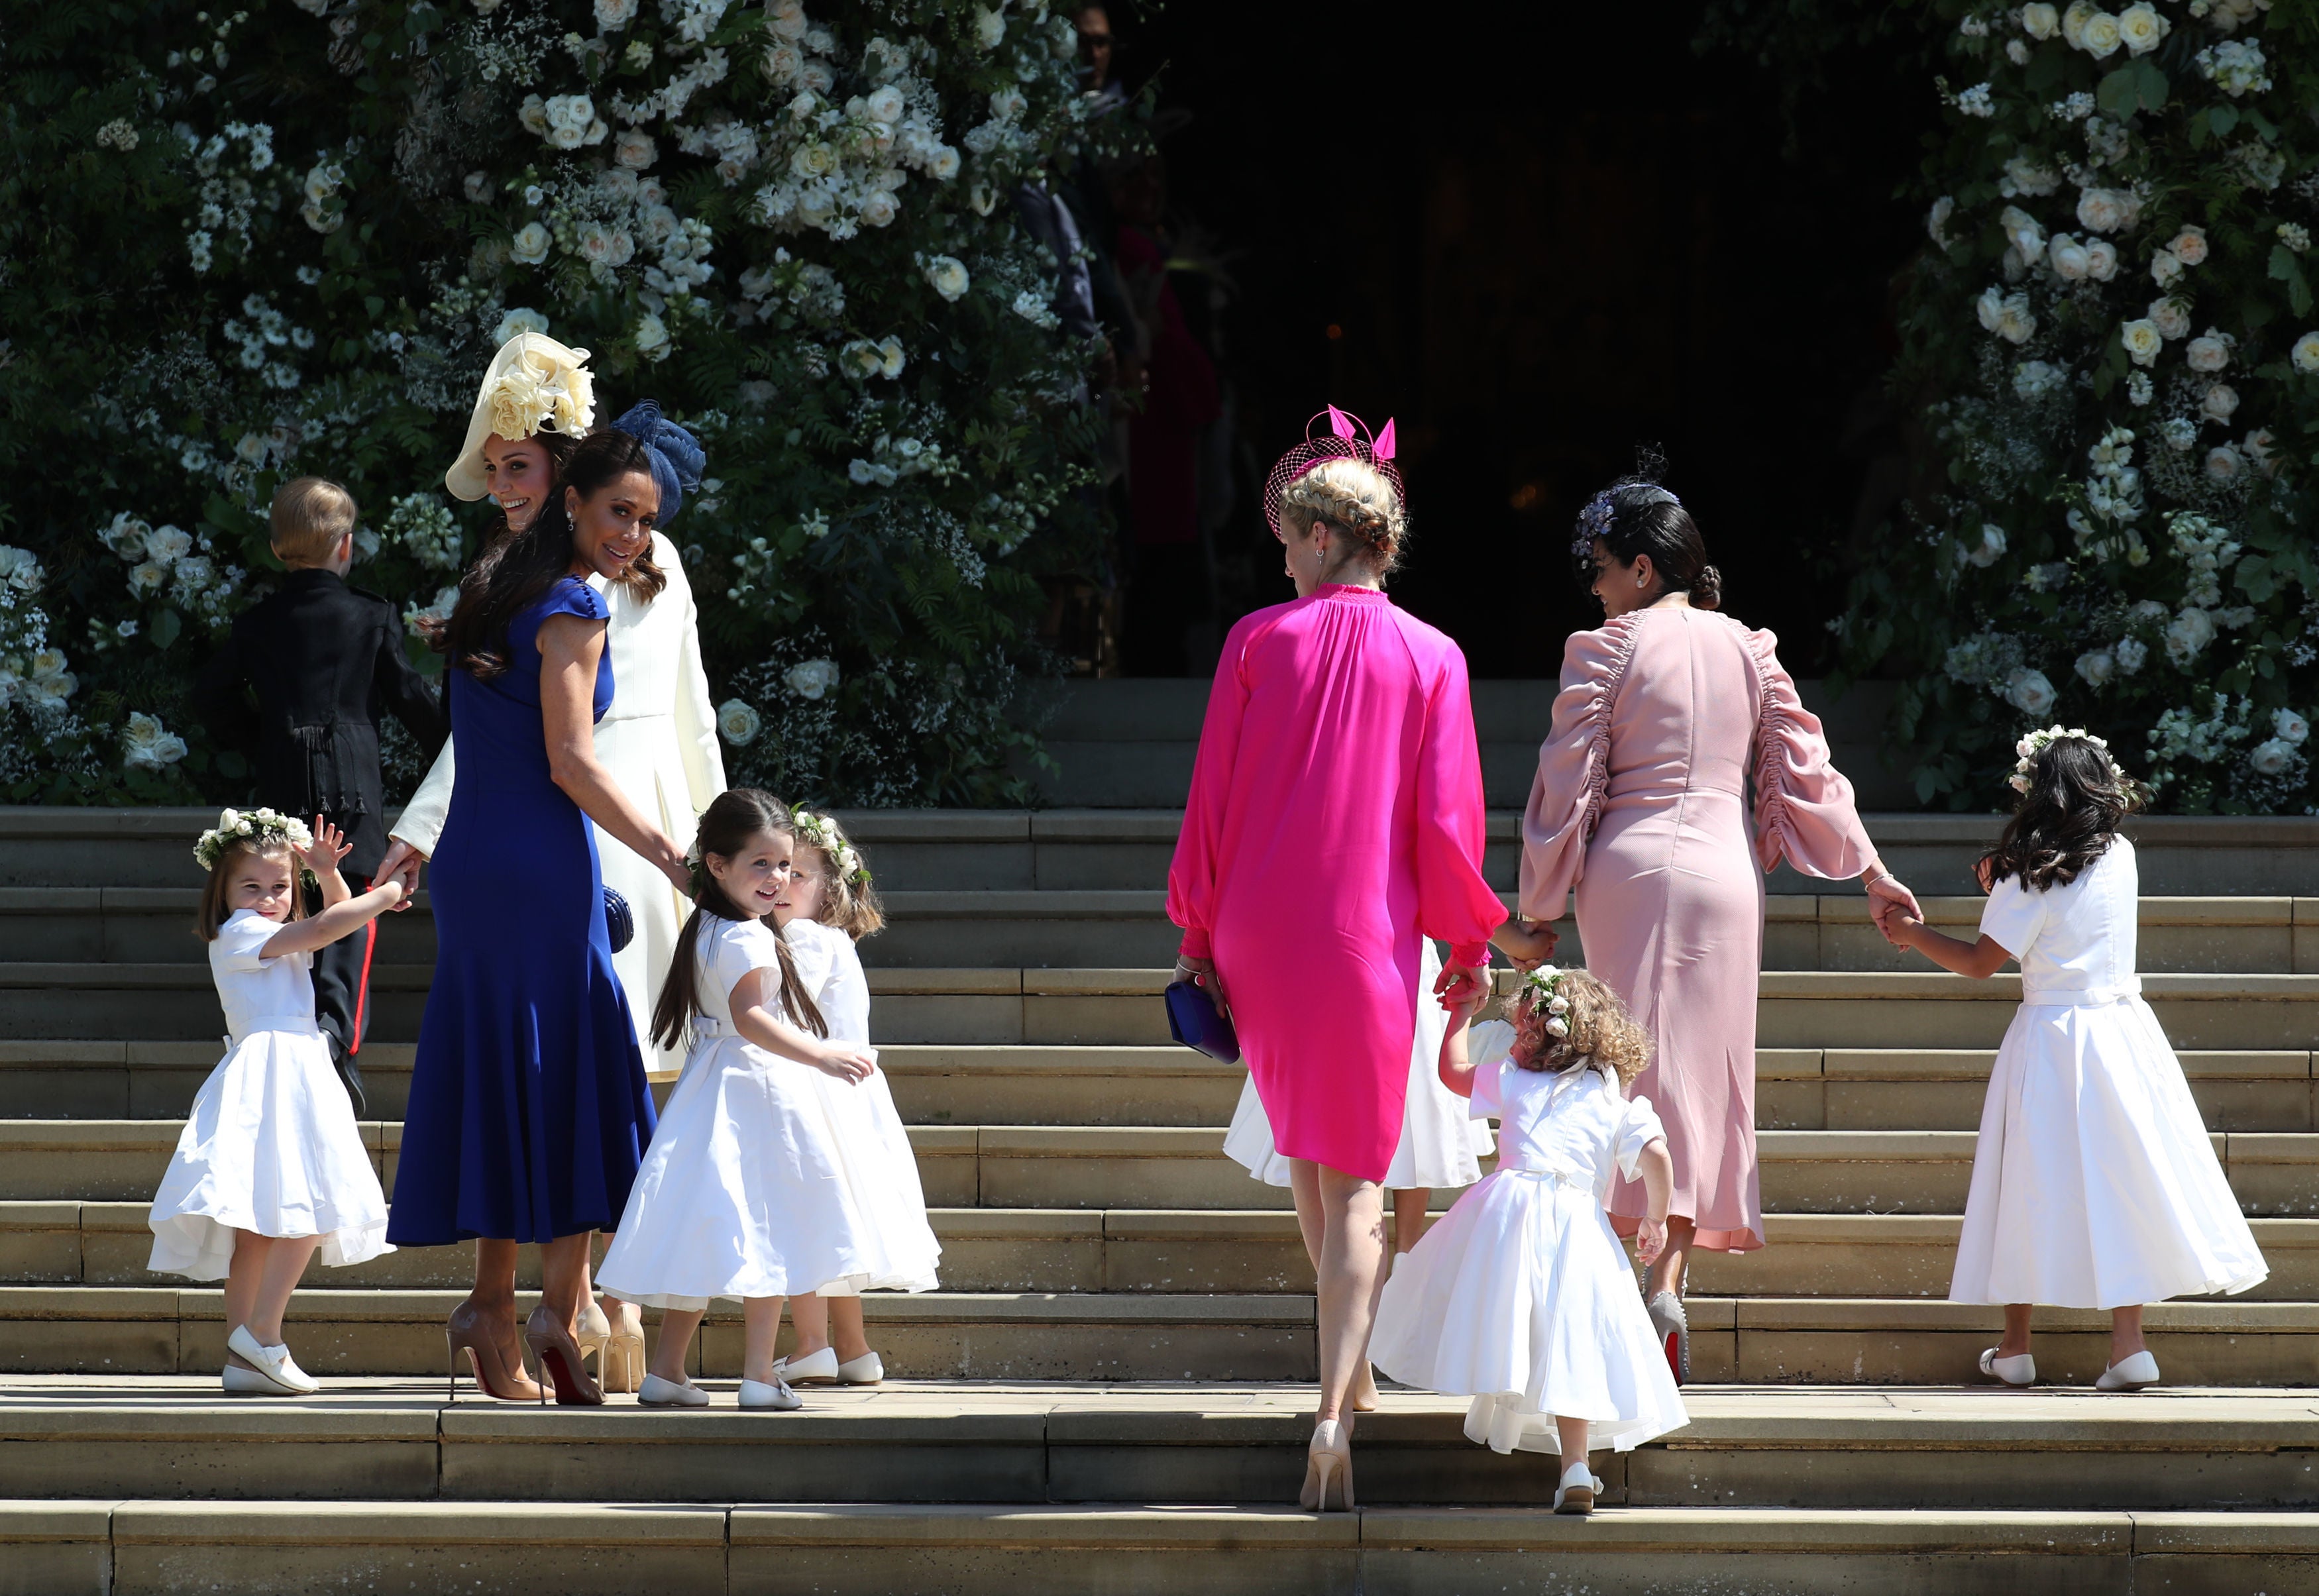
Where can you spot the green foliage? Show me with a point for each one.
(2108, 344)
(236, 248)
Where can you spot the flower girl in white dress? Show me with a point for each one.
(746, 1191)
(2094, 1183)
(830, 905)
(1519, 1296)
(270, 1167)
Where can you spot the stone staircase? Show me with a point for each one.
(1110, 1367)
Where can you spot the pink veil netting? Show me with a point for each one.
(1348, 438)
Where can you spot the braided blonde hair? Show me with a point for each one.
(1356, 497)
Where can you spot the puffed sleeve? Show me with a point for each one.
(743, 946)
(1638, 1127)
(572, 596)
(696, 718)
(1574, 768)
(812, 956)
(1454, 903)
(420, 823)
(240, 942)
(1192, 874)
(2013, 915)
(1804, 811)
(1488, 1045)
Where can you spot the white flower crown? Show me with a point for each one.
(2036, 742)
(1542, 983)
(821, 830)
(257, 826)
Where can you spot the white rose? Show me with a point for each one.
(886, 105)
(812, 679)
(2259, 448)
(518, 320)
(1989, 548)
(634, 150)
(2305, 352)
(737, 723)
(2165, 266)
(2073, 23)
(942, 165)
(652, 337)
(2187, 634)
(2103, 210)
(2029, 691)
(2140, 29)
(788, 19)
(612, 15)
(2039, 20)
(890, 359)
(1008, 103)
(2171, 318)
(2142, 340)
(2132, 654)
(2221, 403)
(2097, 666)
(2070, 258)
(2022, 228)
(2210, 353)
(529, 244)
(989, 27)
(2224, 465)
(2101, 259)
(879, 209)
(947, 274)
(2190, 246)
(1990, 308)
(168, 545)
(149, 577)
(2014, 322)
(2100, 36)
(2291, 727)
(2270, 758)
(532, 114)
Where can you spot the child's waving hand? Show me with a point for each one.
(330, 846)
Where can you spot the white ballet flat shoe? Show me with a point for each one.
(868, 1369)
(815, 1369)
(776, 1397)
(657, 1392)
(2021, 1370)
(274, 1365)
(2133, 1374)
(1575, 1495)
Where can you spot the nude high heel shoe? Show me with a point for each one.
(592, 1332)
(1328, 1470)
(558, 1356)
(470, 1333)
(622, 1367)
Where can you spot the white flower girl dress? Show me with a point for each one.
(1521, 1296)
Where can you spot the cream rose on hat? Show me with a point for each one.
(535, 385)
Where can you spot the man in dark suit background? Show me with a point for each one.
(300, 685)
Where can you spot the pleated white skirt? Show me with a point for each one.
(1520, 1297)
(271, 1146)
(2094, 1183)
(755, 1186)
(1440, 1146)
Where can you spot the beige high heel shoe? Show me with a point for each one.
(1328, 1470)
(623, 1364)
(590, 1335)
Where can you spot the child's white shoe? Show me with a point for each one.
(2020, 1370)
(868, 1369)
(657, 1392)
(776, 1397)
(1575, 1495)
(815, 1369)
(2133, 1374)
(278, 1373)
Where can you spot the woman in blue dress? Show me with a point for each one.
(529, 1111)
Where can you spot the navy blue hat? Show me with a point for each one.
(677, 456)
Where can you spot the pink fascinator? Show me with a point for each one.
(1348, 438)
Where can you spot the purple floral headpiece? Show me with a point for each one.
(1594, 521)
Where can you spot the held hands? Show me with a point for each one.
(1463, 986)
(1888, 899)
(1528, 943)
(404, 862)
(1650, 1240)
(845, 1060)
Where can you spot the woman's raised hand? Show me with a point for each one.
(845, 1060)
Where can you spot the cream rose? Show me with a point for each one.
(887, 104)
(879, 209)
(529, 244)
(2171, 318)
(2165, 267)
(2140, 29)
(2189, 246)
(2305, 352)
(2142, 340)
(2100, 37)
(2103, 210)
(517, 402)
(947, 274)
(2224, 464)
(634, 150)
(2097, 666)
(2073, 23)
(2101, 259)
(2070, 258)
(2221, 403)
(2040, 20)
(2210, 353)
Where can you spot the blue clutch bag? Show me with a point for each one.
(619, 923)
(1194, 1020)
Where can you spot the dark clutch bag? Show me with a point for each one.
(619, 923)
(1194, 1021)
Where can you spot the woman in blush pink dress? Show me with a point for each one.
(1335, 819)
(1640, 804)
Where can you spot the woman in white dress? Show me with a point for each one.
(659, 738)
(2094, 1181)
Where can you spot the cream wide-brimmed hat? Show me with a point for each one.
(535, 385)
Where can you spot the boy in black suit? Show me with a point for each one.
(303, 680)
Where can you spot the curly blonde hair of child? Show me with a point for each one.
(1602, 1034)
(849, 899)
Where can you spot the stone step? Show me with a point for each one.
(2275, 1174)
(111, 1548)
(1132, 1249)
(1049, 928)
(965, 1005)
(1796, 1088)
(1763, 1448)
(1158, 1336)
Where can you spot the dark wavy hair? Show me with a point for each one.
(643, 576)
(2076, 801)
(731, 819)
(515, 571)
(1643, 518)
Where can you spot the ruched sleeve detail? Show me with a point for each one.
(1574, 768)
(1804, 809)
(1192, 874)
(1455, 902)
(1638, 1129)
